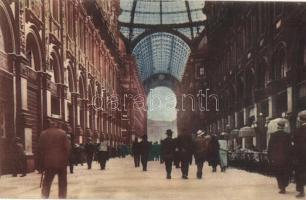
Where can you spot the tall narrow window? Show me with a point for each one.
(279, 63)
(70, 19)
(304, 55)
(2, 48)
(55, 9)
(55, 105)
(31, 59)
(2, 120)
(35, 7)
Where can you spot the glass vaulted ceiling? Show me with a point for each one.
(186, 17)
(161, 53)
(165, 26)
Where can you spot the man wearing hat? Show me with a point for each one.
(167, 152)
(54, 149)
(279, 156)
(200, 151)
(299, 151)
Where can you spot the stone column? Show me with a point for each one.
(75, 115)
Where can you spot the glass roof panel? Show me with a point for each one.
(161, 53)
(185, 31)
(125, 16)
(173, 6)
(147, 7)
(175, 18)
(145, 14)
(125, 31)
(126, 5)
(198, 15)
(137, 32)
(195, 4)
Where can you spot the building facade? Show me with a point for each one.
(134, 100)
(255, 63)
(59, 61)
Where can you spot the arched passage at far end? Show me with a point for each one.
(161, 80)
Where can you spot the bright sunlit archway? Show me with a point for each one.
(162, 113)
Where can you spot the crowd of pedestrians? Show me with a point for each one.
(286, 153)
(180, 151)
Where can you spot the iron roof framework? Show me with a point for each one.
(159, 33)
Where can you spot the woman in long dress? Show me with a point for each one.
(223, 149)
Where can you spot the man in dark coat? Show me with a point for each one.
(201, 145)
(299, 150)
(103, 154)
(176, 154)
(54, 149)
(136, 152)
(167, 152)
(72, 153)
(90, 149)
(279, 154)
(185, 148)
(144, 152)
(214, 152)
(19, 159)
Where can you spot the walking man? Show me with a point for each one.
(102, 154)
(299, 150)
(144, 152)
(214, 152)
(200, 151)
(90, 149)
(167, 152)
(279, 156)
(176, 154)
(185, 149)
(54, 149)
(136, 152)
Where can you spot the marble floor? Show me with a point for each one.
(121, 181)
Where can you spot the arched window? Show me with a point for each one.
(33, 51)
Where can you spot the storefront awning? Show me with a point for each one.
(300, 118)
(234, 133)
(272, 125)
(247, 132)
